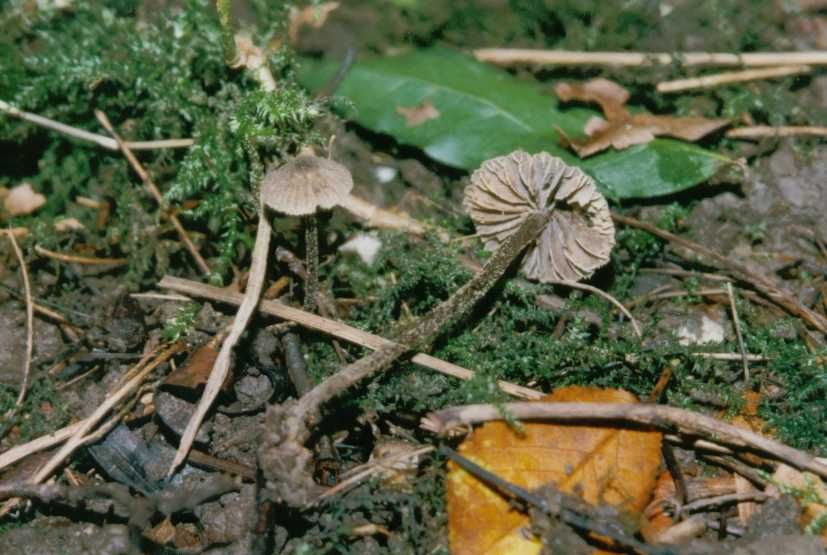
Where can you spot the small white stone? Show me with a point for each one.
(697, 332)
(384, 174)
(365, 245)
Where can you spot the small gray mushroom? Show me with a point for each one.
(301, 187)
(580, 234)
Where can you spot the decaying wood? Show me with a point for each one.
(658, 416)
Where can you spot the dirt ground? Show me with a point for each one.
(94, 322)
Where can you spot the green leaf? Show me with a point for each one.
(485, 112)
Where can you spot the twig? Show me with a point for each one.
(601, 293)
(764, 131)
(737, 324)
(709, 81)
(221, 367)
(763, 284)
(27, 360)
(336, 329)
(81, 134)
(701, 504)
(155, 192)
(732, 356)
(660, 416)
(513, 56)
(74, 259)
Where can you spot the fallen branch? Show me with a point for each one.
(155, 192)
(709, 81)
(669, 419)
(100, 140)
(514, 56)
(334, 328)
(763, 284)
(27, 357)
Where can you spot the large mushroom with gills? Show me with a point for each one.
(579, 236)
(302, 187)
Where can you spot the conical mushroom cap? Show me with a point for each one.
(305, 184)
(580, 234)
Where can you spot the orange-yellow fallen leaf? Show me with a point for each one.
(603, 465)
(22, 200)
(419, 114)
(622, 129)
(814, 501)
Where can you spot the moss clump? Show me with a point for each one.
(155, 78)
(41, 413)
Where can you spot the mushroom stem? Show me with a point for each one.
(283, 460)
(311, 246)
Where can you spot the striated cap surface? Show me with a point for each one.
(580, 234)
(305, 184)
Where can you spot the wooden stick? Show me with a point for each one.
(764, 131)
(336, 329)
(512, 56)
(660, 416)
(725, 78)
(221, 367)
(155, 192)
(27, 288)
(74, 259)
(737, 323)
(83, 135)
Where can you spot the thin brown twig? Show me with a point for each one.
(514, 56)
(155, 192)
(337, 329)
(221, 367)
(75, 259)
(601, 293)
(660, 416)
(27, 288)
(761, 283)
(81, 134)
(764, 131)
(737, 324)
(728, 77)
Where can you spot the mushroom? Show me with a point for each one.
(579, 236)
(301, 187)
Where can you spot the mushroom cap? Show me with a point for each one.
(305, 184)
(579, 236)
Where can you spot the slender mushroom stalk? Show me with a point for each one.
(517, 196)
(301, 187)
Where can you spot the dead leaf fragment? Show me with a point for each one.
(195, 372)
(310, 16)
(615, 466)
(419, 114)
(68, 224)
(622, 129)
(22, 200)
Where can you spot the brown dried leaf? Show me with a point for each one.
(310, 16)
(580, 234)
(615, 466)
(419, 114)
(195, 372)
(621, 129)
(22, 200)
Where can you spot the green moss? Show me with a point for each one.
(41, 413)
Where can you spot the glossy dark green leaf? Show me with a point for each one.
(482, 112)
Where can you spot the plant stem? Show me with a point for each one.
(225, 17)
(311, 247)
